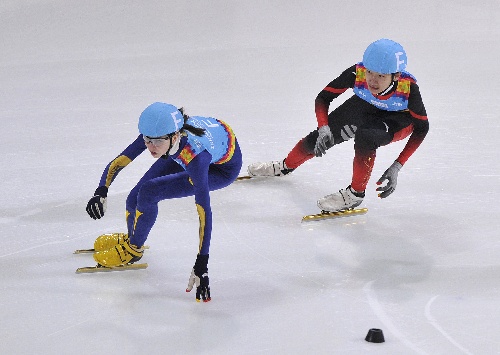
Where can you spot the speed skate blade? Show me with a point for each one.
(330, 215)
(97, 268)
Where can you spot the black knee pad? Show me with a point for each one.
(309, 142)
(369, 139)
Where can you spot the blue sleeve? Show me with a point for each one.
(122, 160)
(198, 172)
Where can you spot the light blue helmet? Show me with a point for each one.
(385, 56)
(160, 119)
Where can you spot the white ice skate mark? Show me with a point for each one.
(384, 318)
(436, 325)
(67, 239)
(34, 247)
(67, 328)
(5, 220)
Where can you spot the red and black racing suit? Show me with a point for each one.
(370, 126)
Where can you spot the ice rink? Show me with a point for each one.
(422, 265)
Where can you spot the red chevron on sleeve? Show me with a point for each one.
(334, 90)
(418, 117)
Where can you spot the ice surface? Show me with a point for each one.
(422, 265)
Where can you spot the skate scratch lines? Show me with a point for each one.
(67, 328)
(436, 325)
(34, 247)
(384, 318)
(77, 236)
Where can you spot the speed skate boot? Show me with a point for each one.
(343, 200)
(121, 254)
(271, 168)
(109, 240)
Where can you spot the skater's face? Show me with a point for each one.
(159, 146)
(377, 82)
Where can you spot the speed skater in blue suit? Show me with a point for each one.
(195, 155)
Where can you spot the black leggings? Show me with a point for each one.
(370, 127)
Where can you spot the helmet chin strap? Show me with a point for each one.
(388, 88)
(173, 148)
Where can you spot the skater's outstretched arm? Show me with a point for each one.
(96, 207)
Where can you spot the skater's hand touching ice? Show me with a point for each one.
(391, 175)
(199, 278)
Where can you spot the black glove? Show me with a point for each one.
(97, 204)
(391, 175)
(199, 277)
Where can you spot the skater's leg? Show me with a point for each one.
(343, 122)
(151, 192)
(362, 168)
(160, 168)
(176, 186)
(301, 152)
(368, 139)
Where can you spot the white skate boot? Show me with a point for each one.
(345, 199)
(271, 168)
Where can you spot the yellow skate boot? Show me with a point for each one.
(109, 240)
(119, 255)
